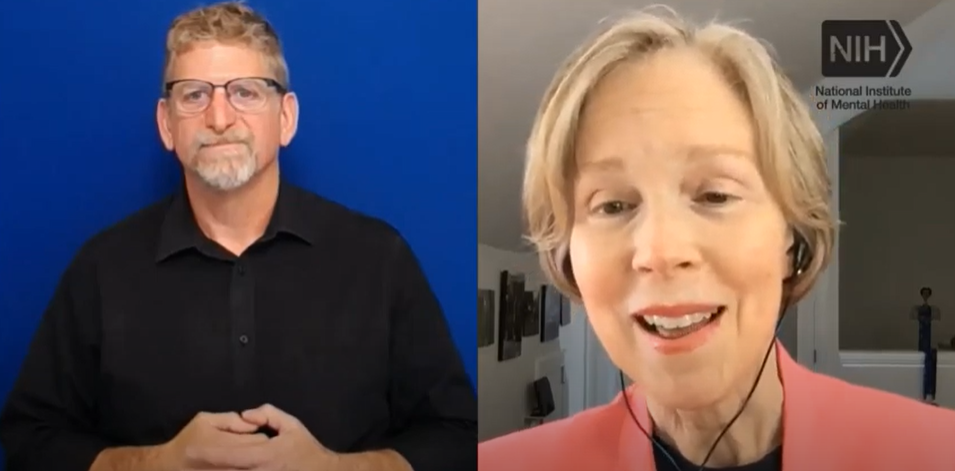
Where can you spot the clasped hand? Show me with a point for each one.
(230, 441)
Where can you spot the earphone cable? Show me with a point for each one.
(739, 412)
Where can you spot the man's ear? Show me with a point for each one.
(164, 124)
(289, 118)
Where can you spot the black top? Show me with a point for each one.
(773, 461)
(328, 317)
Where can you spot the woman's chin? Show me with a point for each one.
(688, 393)
(684, 400)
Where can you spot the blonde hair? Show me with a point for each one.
(790, 148)
(226, 23)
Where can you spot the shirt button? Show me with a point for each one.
(244, 339)
(241, 269)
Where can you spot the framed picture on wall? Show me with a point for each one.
(564, 310)
(532, 321)
(510, 316)
(485, 299)
(550, 300)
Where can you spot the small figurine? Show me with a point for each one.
(925, 314)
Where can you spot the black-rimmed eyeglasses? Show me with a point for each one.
(245, 94)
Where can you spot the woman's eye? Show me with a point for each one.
(613, 207)
(714, 198)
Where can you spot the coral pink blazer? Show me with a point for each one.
(828, 425)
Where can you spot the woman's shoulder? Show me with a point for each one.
(560, 445)
(873, 412)
(881, 430)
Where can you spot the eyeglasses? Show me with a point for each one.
(246, 94)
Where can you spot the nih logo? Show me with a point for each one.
(863, 48)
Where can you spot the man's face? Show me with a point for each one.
(224, 145)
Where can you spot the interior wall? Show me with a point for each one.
(900, 372)
(575, 341)
(898, 236)
(503, 386)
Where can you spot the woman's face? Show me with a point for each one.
(678, 249)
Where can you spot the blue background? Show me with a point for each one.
(388, 127)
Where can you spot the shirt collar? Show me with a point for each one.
(179, 230)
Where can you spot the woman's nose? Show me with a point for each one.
(664, 243)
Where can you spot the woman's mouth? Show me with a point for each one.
(671, 326)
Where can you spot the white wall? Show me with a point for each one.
(818, 319)
(899, 235)
(503, 386)
(576, 341)
(900, 373)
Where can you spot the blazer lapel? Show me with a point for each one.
(807, 441)
(635, 449)
(797, 416)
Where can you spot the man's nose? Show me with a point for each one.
(664, 243)
(220, 115)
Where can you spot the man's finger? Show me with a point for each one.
(246, 439)
(225, 444)
(235, 457)
(229, 422)
(271, 417)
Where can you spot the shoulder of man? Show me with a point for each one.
(131, 233)
(342, 224)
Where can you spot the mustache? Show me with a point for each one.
(233, 136)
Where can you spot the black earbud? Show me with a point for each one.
(801, 255)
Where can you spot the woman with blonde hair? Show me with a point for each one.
(677, 187)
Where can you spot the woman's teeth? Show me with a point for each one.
(681, 322)
(670, 327)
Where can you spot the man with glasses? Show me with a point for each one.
(242, 323)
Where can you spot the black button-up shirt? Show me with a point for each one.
(328, 317)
